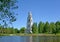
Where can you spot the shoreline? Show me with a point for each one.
(29, 35)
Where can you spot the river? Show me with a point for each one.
(29, 39)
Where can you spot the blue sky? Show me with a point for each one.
(42, 10)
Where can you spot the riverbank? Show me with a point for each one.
(29, 35)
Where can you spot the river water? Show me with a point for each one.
(29, 39)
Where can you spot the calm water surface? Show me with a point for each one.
(28, 39)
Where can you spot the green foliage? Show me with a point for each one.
(52, 27)
(46, 27)
(34, 28)
(16, 30)
(9, 30)
(40, 27)
(22, 30)
(57, 26)
(49, 27)
(7, 14)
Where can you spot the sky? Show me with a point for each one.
(42, 10)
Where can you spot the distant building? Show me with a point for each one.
(29, 23)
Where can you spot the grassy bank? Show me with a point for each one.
(29, 35)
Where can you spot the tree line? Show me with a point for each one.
(41, 27)
(11, 30)
(48, 28)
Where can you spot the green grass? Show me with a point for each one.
(29, 35)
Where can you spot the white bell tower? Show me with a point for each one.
(29, 23)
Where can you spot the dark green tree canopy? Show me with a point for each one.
(22, 30)
(34, 28)
(46, 27)
(7, 14)
(40, 27)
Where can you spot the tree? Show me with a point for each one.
(40, 27)
(15, 30)
(1, 29)
(34, 28)
(52, 27)
(46, 27)
(9, 30)
(57, 27)
(7, 14)
(22, 30)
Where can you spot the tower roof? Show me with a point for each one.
(29, 13)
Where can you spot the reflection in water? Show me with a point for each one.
(29, 39)
(41, 39)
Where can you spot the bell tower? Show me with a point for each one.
(29, 22)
